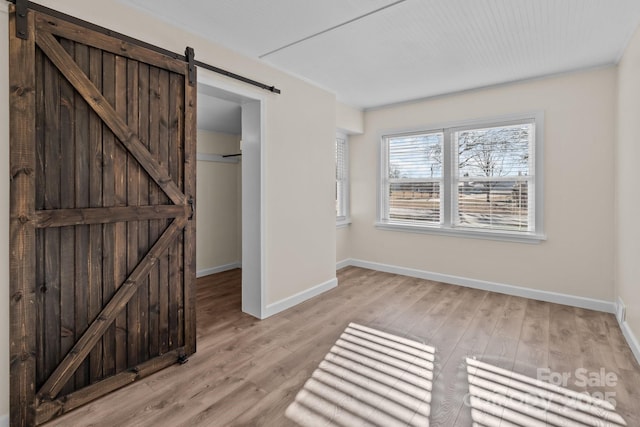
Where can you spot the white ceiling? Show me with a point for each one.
(379, 52)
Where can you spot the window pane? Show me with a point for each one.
(499, 205)
(487, 158)
(340, 206)
(415, 202)
(341, 177)
(340, 159)
(416, 156)
(494, 152)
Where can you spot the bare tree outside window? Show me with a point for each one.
(500, 153)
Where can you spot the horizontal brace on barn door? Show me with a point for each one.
(107, 215)
(93, 27)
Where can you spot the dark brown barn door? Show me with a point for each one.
(102, 226)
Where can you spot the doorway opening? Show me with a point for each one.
(230, 186)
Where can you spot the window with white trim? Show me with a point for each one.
(342, 179)
(481, 180)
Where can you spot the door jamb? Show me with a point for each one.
(258, 310)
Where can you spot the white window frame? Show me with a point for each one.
(344, 220)
(449, 190)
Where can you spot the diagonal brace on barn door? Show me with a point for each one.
(129, 139)
(116, 304)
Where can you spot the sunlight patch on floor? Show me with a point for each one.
(369, 377)
(499, 397)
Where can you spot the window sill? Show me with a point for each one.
(343, 222)
(470, 234)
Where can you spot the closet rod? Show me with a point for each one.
(206, 157)
(21, 33)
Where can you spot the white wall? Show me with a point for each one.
(349, 119)
(627, 195)
(4, 213)
(300, 204)
(577, 258)
(299, 130)
(218, 238)
(343, 243)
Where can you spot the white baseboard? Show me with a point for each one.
(4, 420)
(218, 269)
(298, 298)
(343, 263)
(554, 297)
(631, 340)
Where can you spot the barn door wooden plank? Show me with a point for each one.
(120, 158)
(50, 281)
(67, 200)
(189, 165)
(176, 285)
(100, 105)
(109, 255)
(81, 185)
(95, 201)
(154, 225)
(138, 76)
(130, 246)
(40, 204)
(70, 363)
(163, 265)
(22, 127)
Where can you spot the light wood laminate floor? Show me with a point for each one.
(246, 371)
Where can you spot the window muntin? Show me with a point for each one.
(474, 179)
